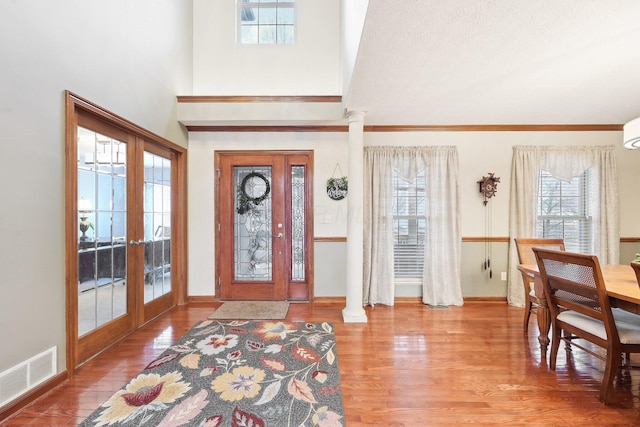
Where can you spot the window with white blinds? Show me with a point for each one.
(409, 226)
(564, 211)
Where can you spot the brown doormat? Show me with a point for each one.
(251, 310)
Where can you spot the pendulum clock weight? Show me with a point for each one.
(488, 188)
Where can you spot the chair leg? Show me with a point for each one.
(555, 345)
(527, 315)
(623, 376)
(567, 341)
(610, 372)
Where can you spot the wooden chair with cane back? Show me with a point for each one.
(579, 305)
(526, 256)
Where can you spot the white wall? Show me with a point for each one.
(130, 57)
(354, 13)
(479, 153)
(483, 152)
(311, 66)
(330, 215)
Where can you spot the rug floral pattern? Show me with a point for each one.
(238, 374)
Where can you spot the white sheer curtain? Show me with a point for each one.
(441, 283)
(563, 163)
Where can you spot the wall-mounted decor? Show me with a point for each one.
(488, 188)
(337, 186)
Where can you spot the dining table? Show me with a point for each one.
(620, 282)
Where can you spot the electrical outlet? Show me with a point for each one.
(503, 276)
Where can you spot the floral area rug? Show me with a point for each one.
(237, 374)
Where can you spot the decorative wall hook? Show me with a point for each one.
(489, 186)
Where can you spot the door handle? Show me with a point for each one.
(139, 242)
(280, 235)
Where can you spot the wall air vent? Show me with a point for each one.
(25, 376)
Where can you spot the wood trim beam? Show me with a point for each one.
(410, 300)
(483, 239)
(484, 299)
(418, 300)
(243, 98)
(269, 128)
(474, 239)
(495, 128)
(407, 128)
(336, 239)
(202, 299)
(629, 239)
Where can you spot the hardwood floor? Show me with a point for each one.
(408, 366)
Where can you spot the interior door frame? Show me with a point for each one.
(75, 107)
(294, 291)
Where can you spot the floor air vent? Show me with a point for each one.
(27, 375)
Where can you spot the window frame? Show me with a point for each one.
(266, 4)
(584, 217)
(415, 193)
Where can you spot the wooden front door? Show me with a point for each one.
(264, 225)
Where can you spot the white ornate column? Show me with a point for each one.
(354, 312)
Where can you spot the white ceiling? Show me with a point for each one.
(456, 62)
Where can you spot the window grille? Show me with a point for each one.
(564, 211)
(409, 223)
(266, 21)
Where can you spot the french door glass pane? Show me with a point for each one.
(252, 223)
(102, 250)
(157, 226)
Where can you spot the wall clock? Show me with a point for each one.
(488, 186)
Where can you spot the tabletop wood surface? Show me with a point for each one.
(619, 279)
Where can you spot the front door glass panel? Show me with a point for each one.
(253, 223)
